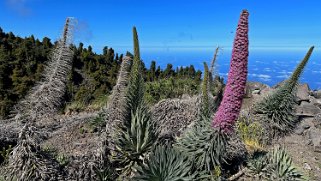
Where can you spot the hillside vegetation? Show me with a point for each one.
(134, 123)
(22, 62)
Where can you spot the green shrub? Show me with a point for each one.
(258, 166)
(4, 153)
(106, 174)
(204, 144)
(166, 164)
(169, 88)
(132, 144)
(75, 106)
(281, 166)
(98, 123)
(251, 133)
(99, 102)
(275, 165)
(61, 158)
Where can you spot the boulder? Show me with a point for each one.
(316, 94)
(278, 84)
(256, 86)
(303, 92)
(307, 109)
(315, 101)
(306, 166)
(317, 121)
(256, 91)
(299, 130)
(305, 124)
(315, 135)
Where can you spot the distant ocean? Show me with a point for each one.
(267, 66)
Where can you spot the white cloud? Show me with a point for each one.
(262, 77)
(283, 76)
(267, 69)
(265, 79)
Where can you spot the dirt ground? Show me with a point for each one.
(303, 155)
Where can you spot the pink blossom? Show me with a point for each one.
(230, 107)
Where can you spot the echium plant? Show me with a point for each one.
(135, 90)
(205, 92)
(205, 145)
(293, 81)
(230, 107)
(114, 112)
(275, 111)
(166, 163)
(45, 98)
(136, 134)
(275, 165)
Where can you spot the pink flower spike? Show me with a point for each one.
(230, 107)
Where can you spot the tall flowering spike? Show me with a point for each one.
(230, 106)
(214, 61)
(298, 71)
(46, 97)
(136, 45)
(205, 90)
(276, 110)
(66, 30)
(136, 83)
(135, 89)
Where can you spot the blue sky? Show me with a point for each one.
(168, 23)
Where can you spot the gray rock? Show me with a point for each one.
(306, 126)
(307, 109)
(308, 142)
(303, 92)
(278, 84)
(316, 102)
(317, 148)
(317, 121)
(316, 94)
(299, 131)
(256, 86)
(315, 136)
(306, 166)
(256, 91)
(307, 122)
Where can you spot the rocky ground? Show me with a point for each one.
(74, 135)
(77, 138)
(304, 144)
